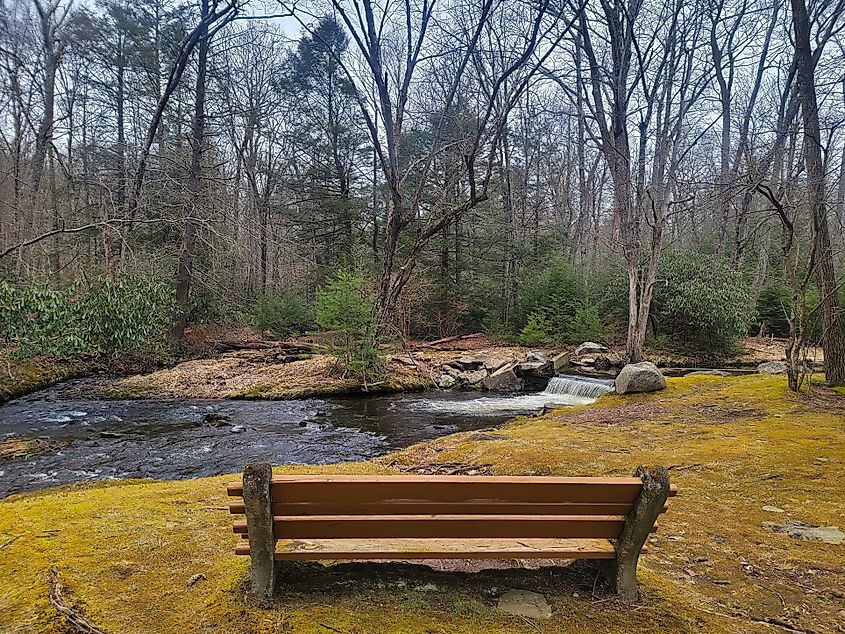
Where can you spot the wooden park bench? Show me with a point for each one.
(335, 517)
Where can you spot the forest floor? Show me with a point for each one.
(743, 451)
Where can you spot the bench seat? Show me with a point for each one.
(415, 548)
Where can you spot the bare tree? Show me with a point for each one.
(833, 335)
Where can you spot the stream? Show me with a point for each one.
(163, 439)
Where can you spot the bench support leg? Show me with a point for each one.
(259, 520)
(622, 571)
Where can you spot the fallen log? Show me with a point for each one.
(287, 346)
(439, 342)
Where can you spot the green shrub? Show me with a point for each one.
(536, 331)
(123, 315)
(556, 306)
(586, 324)
(40, 320)
(773, 309)
(106, 317)
(344, 310)
(282, 313)
(700, 304)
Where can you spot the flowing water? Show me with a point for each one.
(96, 439)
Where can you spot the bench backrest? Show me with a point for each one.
(338, 507)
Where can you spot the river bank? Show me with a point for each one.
(741, 448)
(270, 372)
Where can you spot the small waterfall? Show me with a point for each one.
(578, 386)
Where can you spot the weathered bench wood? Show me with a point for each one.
(447, 517)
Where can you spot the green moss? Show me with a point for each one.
(22, 376)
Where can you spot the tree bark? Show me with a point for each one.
(185, 271)
(833, 338)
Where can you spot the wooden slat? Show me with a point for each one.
(394, 507)
(434, 488)
(240, 528)
(329, 549)
(446, 491)
(391, 507)
(445, 526)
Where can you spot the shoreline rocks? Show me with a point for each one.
(639, 377)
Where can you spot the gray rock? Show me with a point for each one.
(525, 603)
(237, 429)
(709, 373)
(467, 363)
(473, 378)
(491, 365)
(536, 356)
(446, 381)
(639, 377)
(216, 420)
(589, 347)
(537, 368)
(773, 367)
(504, 379)
(455, 373)
(560, 361)
(808, 532)
(602, 363)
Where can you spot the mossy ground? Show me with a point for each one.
(127, 549)
(22, 376)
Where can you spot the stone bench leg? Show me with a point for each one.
(621, 572)
(259, 520)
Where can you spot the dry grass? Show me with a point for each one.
(127, 549)
(253, 374)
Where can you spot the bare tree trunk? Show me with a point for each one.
(52, 49)
(833, 335)
(184, 274)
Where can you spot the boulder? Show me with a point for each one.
(589, 347)
(639, 377)
(466, 363)
(535, 356)
(455, 373)
(773, 367)
(536, 368)
(491, 365)
(446, 381)
(604, 362)
(473, 378)
(560, 361)
(709, 373)
(615, 359)
(504, 379)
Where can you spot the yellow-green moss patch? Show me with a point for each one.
(22, 376)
